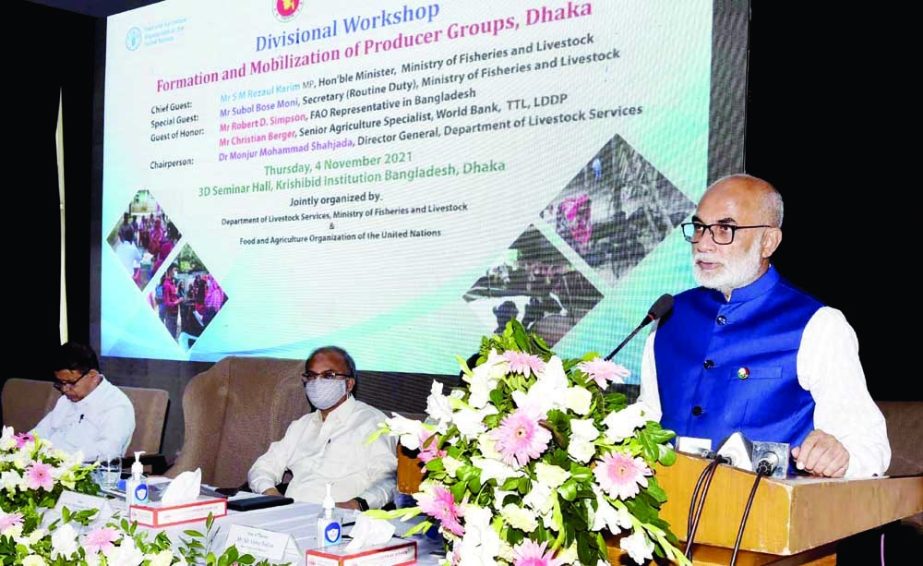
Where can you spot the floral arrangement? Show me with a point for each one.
(32, 477)
(531, 460)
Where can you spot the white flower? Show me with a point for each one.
(13, 532)
(439, 408)
(550, 475)
(409, 430)
(494, 470)
(581, 450)
(568, 555)
(451, 465)
(64, 542)
(583, 433)
(34, 537)
(541, 498)
(554, 373)
(638, 547)
(21, 459)
(549, 390)
(470, 423)
(11, 481)
(606, 516)
(488, 447)
(583, 429)
(162, 558)
(519, 518)
(126, 554)
(578, 399)
(7, 440)
(622, 424)
(33, 560)
(481, 543)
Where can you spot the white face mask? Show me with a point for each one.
(325, 393)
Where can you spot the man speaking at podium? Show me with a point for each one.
(746, 351)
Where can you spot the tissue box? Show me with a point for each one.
(395, 552)
(155, 514)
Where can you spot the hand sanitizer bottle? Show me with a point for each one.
(136, 491)
(328, 529)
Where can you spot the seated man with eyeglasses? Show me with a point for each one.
(746, 351)
(330, 444)
(92, 416)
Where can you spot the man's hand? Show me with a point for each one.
(821, 454)
(351, 504)
(272, 491)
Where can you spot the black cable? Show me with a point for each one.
(698, 503)
(760, 474)
(695, 497)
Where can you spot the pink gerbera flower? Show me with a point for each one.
(440, 504)
(100, 540)
(603, 372)
(620, 475)
(520, 437)
(530, 553)
(38, 475)
(428, 451)
(24, 438)
(523, 363)
(9, 520)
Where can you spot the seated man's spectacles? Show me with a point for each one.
(721, 234)
(60, 385)
(329, 374)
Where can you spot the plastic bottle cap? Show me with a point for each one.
(137, 469)
(328, 504)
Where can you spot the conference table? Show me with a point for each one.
(299, 521)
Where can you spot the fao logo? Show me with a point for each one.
(133, 39)
(285, 10)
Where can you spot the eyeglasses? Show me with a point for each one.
(60, 385)
(721, 234)
(329, 374)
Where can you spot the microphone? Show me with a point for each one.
(661, 306)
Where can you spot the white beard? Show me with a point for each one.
(732, 274)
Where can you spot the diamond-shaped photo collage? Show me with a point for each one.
(177, 284)
(614, 212)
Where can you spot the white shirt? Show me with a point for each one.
(332, 451)
(100, 425)
(829, 368)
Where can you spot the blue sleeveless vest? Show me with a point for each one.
(726, 366)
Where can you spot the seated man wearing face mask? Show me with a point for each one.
(329, 445)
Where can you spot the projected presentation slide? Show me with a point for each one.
(397, 178)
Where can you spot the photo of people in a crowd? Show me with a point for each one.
(535, 284)
(616, 210)
(143, 238)
(187, 298)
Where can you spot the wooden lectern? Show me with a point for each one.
(792, 521)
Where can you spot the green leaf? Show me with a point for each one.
(435, 465)
(510, 484)
(246, 559)
(420, 527)
(458, 490)
(193, 533)
(525, 485)
(657, 433)
(586, 549)
(651, 448)
(641, 509)
(568, 490)
(667, 455)
(581, 473)
(655, 491)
